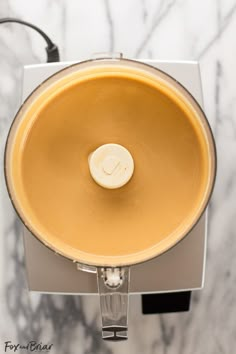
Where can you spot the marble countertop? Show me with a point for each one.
(173, 30)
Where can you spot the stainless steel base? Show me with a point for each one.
(181, 268)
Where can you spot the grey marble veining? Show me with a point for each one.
(171, 29)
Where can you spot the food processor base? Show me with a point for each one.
(165, 281)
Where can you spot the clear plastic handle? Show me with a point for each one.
(113, 287)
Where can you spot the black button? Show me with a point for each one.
(166, 302)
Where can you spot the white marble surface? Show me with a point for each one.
(170, 29)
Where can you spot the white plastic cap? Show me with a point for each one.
(111, 166)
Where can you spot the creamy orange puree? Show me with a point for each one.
(61, 198)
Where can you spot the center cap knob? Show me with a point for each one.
(111, 166)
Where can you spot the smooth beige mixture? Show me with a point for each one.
(170, 174)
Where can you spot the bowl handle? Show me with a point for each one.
(113, 287)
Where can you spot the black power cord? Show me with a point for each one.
(51, 49)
